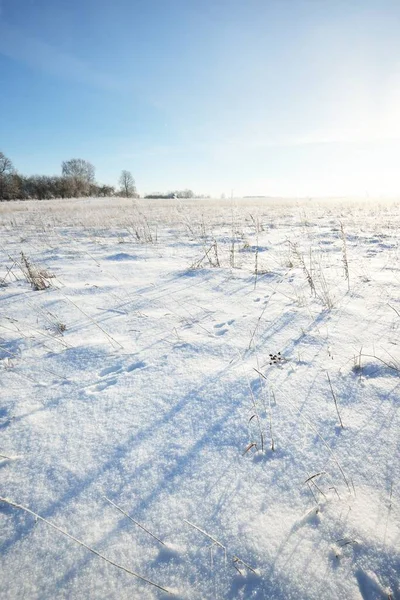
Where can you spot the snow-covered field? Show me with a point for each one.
(189, 363)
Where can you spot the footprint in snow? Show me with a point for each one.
(114, 370)
(136, 365)
(221, 328)
(104, 385)
(109, 370)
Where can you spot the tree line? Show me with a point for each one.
(169, 195)
(77, 179)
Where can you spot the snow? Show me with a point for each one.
(145, 372)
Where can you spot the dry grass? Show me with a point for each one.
(38, 278)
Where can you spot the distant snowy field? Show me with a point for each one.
(183, 361)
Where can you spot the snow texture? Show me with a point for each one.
(165, 399)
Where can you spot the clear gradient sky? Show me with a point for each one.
(274, 97)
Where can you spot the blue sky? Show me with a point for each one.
(284, 97)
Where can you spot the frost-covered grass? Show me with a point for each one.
(173, 397)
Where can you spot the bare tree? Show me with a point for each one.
(77, 179)
(6, 169)
(81, 173)
(77, 167)
(106, 190)
(6, 165)
(127, 183)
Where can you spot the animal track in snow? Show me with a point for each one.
(221, 332)
(114, 370)
(222, 328)
(136, 365)
(109, 370)
(104, 384)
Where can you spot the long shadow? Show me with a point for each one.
(165, 484)
(168, 482)
(122, 451)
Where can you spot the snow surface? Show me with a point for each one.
(143, 374)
